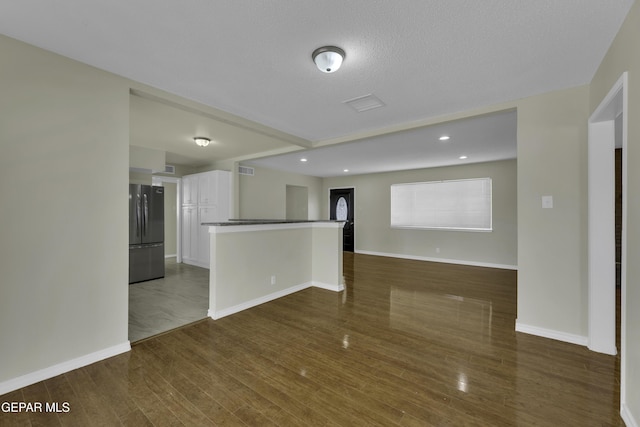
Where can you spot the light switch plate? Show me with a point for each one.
(547, 202)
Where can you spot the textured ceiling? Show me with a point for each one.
(421, 58)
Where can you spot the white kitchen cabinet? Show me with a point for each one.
(209, 202)
(207, 187)
(205, 214)
(190, 189)
(190, 229)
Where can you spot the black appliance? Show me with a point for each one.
(146, 232)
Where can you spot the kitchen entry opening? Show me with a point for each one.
(342, 208)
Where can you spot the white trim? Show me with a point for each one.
(418, 227)
(178, 183)
(61, 368)
(218, 314)
(240, 228)
(552, 334)
(170, 256)
(442, 260)
(215, 315)
(601, 238)
(196, 263)
(627, 416)
(327, 224)
(614, 103)
(329, 287)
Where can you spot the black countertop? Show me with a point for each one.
(233, 222)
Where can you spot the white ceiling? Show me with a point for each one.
(171, 128)
(478, 139)
(421, 58)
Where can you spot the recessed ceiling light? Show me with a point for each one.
(444, 138)
(346, 170)
(303, 159)
(462, 157)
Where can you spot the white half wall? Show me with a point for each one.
(254, 264)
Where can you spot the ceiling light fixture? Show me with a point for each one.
(303, 160)
(328, 58)
(444, 138)
(462, 157)
(202, 141)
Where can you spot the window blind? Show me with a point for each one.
(453, 205)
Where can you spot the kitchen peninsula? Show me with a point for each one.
(256, 261)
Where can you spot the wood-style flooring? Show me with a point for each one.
(408, 343)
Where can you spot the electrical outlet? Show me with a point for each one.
(437, 250)
(273, 280)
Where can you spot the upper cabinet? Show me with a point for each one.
(206, 188)
(213, 187)
(190, 189)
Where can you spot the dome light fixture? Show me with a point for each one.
(202, 141)
(328, 58)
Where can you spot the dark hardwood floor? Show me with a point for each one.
(409, 343)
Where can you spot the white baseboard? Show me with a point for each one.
(219, 314)
(610, 350)
(552, 334)
(334, 288)
(171, 256)
(61, 368)
(443, 260)
(627, 417)
(195, 263)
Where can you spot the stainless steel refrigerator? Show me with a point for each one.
(146, 232)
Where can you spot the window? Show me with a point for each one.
(449, 205)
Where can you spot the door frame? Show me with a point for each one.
(346, 187)
(601, 228)
(178, 181)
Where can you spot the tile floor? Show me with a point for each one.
(157, 306)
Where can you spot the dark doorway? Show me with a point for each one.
(342, 208)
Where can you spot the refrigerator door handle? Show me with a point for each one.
(138, 215)
(145, 216)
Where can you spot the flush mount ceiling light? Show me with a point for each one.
(202, 141)
(328, 58)
(444, 138)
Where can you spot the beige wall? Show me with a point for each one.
(140, 178)
(170, 218)
(552, 144)
(264, 195)
(624, 55)
(373, 233)
(64, 133)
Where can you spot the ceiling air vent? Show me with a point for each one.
(246, 170)
(364, 103)
(170, 169)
